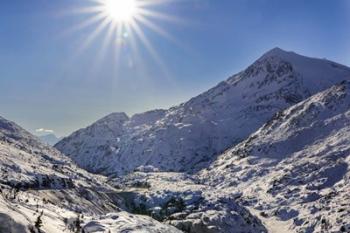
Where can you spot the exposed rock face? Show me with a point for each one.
(189, 136)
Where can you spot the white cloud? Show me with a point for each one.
(42, 130)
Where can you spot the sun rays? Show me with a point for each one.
(122, 23)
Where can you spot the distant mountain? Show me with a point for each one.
(50, 139)
(294, 170)
(189, 136)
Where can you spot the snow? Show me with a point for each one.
(126, 222)
(295, 168)
(179, 200)
(50, 139)
(267, 150)
(36, 178)
(189, 136)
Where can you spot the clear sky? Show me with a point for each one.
(55, 75)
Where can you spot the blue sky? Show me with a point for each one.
(47, 82)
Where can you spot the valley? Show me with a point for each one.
(267, 150)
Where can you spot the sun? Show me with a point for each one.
(121, 10)
(122, 23)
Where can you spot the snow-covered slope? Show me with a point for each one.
(37, 181)
(294, 170)
(27, 163)
(187, 137)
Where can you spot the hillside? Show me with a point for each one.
(294, 170)
(37, 181)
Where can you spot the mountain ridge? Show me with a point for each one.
(296, 166)
(267, 150)
(189, 136)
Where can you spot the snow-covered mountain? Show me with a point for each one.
(295, 170)
(50, 139)
(267, 150)
(27, 163)
(38, 182)
(189, 136)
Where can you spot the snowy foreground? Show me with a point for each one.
(37, 180)
(267, 150)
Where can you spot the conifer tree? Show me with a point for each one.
(39, 223)
(77, 225)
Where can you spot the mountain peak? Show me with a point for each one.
(188, 136)
(278, 52)
(115, 116)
